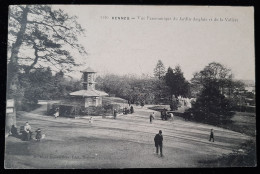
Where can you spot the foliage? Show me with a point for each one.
(130, 88)
(40, 36)
(159, 70)
(161, 92)
(214, 73)
(211, 106)
(145, 90)
(174, 104)
(175, 80)
(40, 84)
(222, 78)
(75, 110)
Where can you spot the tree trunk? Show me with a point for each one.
(13, 64)
(13, 68)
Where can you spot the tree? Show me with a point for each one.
(174, 104)
(159, 70)
(221, 76)
(213, 72)
(39, 86)
(215, 84)
(40, 36)
(132, 88)
(175, 80)
(161, 92)
(211, 105)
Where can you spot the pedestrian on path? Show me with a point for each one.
(151, 117)
(131, 109)
(211, 136)
(115, 113)
(90, 120)
(172, 117)
(57, 113)
(158, 139)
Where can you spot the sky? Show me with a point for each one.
(134, 46)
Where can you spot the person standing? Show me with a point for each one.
(131, 109)
(38, 136)
(28, 131)
(171, 114)
(115, 113)
(142, 103)
(56, 113)
(158, 139)
(90, 120)
(14, 131)
(151, 117)
(164, 114)
(211, 136)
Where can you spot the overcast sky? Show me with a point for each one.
(134, 46)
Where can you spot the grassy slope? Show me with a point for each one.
(242, 122)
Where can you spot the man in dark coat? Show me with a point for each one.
(14, 131)
(151, 117)
(158, 139)
(131, 109)
(211, 135)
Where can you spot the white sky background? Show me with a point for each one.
(134, 46)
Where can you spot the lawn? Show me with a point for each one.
(125, 142)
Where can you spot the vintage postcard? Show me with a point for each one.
(114, 86)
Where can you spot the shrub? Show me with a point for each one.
(26, 106)
(211, 106)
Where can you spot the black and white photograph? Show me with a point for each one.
(130, 86)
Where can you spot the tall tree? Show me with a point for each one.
(175, 80)
(217, 93)
(159, 70)
(40, 36)
(213, 72)
(211, 105)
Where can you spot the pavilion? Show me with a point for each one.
(89, 95)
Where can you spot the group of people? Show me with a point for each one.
(26, 132)
(163, 115)
(125, 111)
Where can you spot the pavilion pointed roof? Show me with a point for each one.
(88, 69)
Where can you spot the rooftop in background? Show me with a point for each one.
(88, 69)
